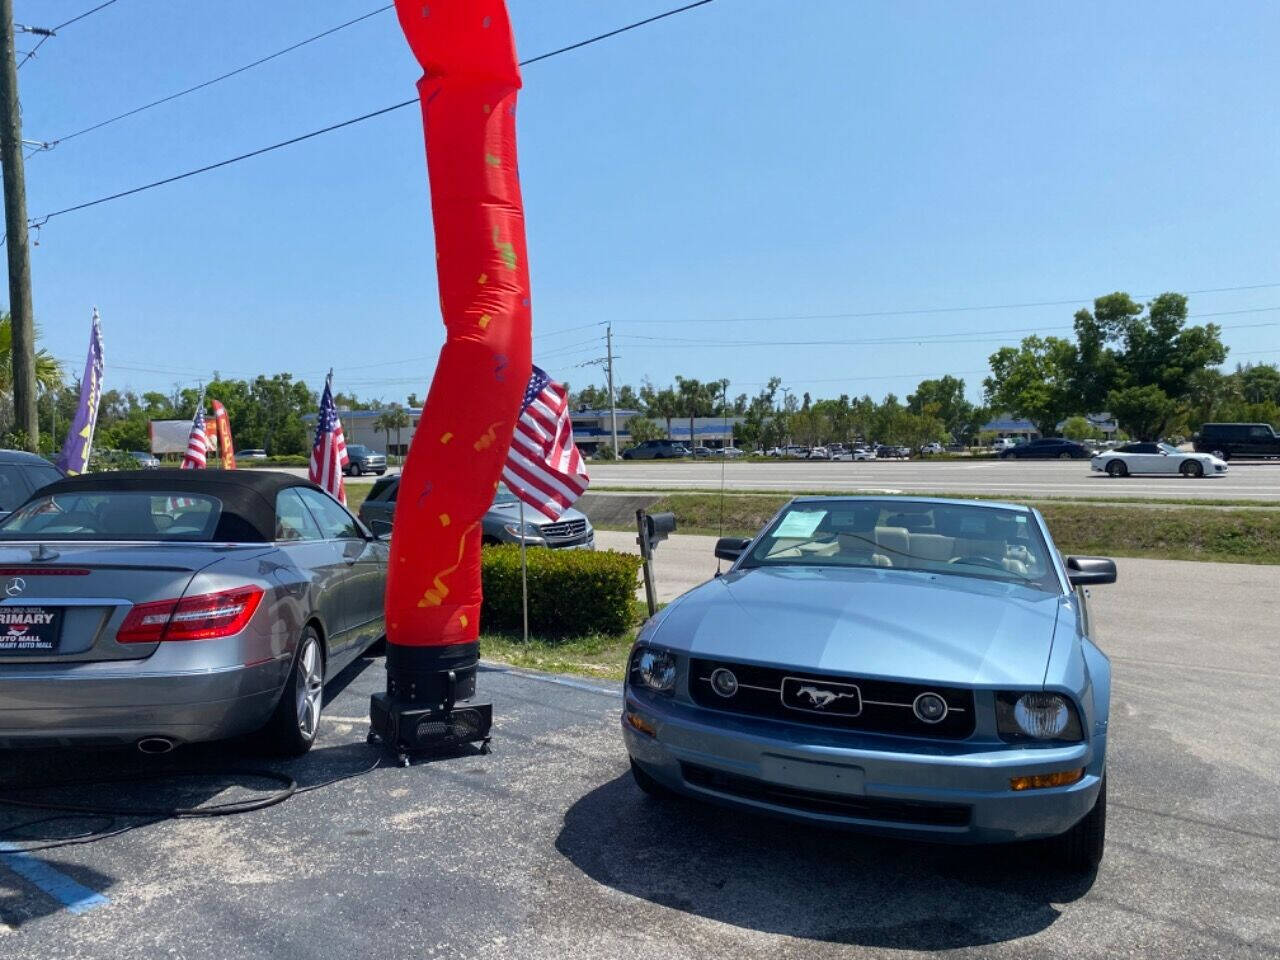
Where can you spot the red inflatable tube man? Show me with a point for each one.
(468, 93)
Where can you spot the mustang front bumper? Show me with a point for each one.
(955, 791)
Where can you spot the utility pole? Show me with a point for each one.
(21, 312)
(613, 408)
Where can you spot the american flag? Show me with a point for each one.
(544, 468)
(197, 442)
(329, 452)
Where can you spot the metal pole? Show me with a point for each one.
(21, 311)
(646, 554)
(524, 576)
(613, 409)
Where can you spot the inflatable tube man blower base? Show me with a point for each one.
(468, 93)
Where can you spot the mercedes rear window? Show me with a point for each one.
(125, 515)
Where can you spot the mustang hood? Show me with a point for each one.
(869, 622)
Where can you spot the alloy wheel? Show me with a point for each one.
(309, 690)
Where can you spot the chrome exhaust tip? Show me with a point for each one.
(155, 745)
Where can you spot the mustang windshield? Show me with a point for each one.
(115, 515)
(960, 539)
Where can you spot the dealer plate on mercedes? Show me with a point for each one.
(915, 667)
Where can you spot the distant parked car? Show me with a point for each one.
(656, 450)
(730, 453)
(251, 454)
(929, 449)
(904, 453)
(146, 460)
(819, 453)
(500, 525)
(1047, 448)
(364, 460)
(21, 475)
(1003, 443)
(1157, 458)
(702, 453)
(887, 452)
(1227, 440)
(863, 453)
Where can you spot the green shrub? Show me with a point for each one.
(572, 593)
(273, 463)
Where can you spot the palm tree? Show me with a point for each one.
(48, 370)
(393, 418)
(664, 403)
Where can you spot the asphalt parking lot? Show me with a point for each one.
(546, 849)
(1025, 479)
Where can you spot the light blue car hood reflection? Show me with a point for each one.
(868, 622)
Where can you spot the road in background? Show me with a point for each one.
(1020, 478)
(546, 850)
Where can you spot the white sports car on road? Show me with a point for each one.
(1156, 458)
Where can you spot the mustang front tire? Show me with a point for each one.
(1192, 469)
(293, 726)
(1116, 468)
(1080, 848)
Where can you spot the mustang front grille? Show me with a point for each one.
(842, 805)
(828, 700)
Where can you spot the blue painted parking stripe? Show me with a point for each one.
(76, 897)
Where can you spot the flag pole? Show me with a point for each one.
(524, 575)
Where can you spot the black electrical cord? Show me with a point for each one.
(150, 815)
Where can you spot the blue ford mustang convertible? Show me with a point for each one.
(911, 667)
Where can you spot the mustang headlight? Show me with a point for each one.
(653, 669)
(1037, 716)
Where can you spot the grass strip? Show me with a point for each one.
(1172, 533)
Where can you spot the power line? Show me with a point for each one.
(944, 338)
(218, 79)
(40, 221)
(928, 310)
(46, 34)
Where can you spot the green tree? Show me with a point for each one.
(393, 418)
(663, 404)
(696, 400)
(642, 429)
(1035, 381)
(1079, 428)
(1143, 412)
(944, 398)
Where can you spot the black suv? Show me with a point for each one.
(1227, 440)
(21, 475)
(1047, 448)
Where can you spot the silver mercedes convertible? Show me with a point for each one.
(914, 667)
(162, 607)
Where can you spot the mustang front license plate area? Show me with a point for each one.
(29, 629)
(812, 775)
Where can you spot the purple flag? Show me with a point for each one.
(75, 451)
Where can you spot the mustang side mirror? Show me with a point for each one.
(730, 548)
(1090, 571)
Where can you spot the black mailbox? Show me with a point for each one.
(658, 526)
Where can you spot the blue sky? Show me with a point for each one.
(746, 159)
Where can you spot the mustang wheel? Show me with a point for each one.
(1192, 468)
(1116, 468)
(1080, 848)
(649, 785)
(293, 726)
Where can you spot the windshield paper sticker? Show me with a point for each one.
(799, 523)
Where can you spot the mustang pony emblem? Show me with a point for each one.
(821, 698)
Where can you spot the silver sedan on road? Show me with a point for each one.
(162, 607)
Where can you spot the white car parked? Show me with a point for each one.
(1156, 458)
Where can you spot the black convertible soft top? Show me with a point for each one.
(248, 496)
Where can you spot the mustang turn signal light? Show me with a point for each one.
(1040, 781)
